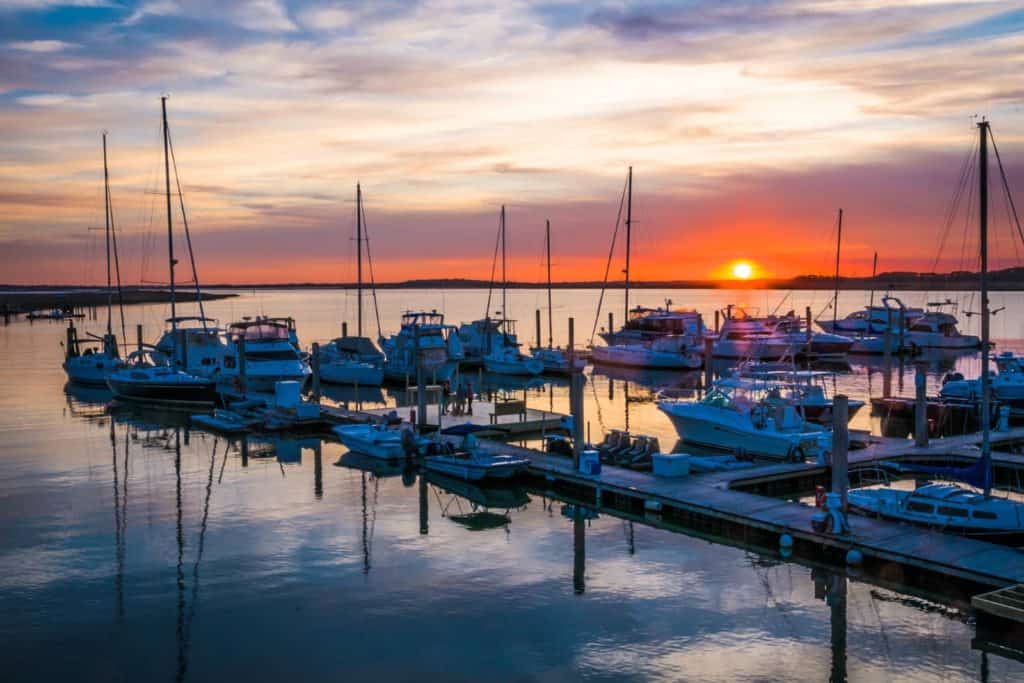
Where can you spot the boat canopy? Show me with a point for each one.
(259, 330)
(422, 318)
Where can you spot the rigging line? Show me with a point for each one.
(608, 266)
(1006, 186)
(966, 173)
(188, 236)
(494, 265)
(369, 262)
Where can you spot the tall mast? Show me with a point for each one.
(170, 231)
(106, 216)
(983, 244)
(504, 275)
(359, 259)
(629, 232)
(839, 243)
(547, 243)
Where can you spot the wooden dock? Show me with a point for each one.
(900, 553)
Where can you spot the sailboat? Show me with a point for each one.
(557, 361)
(354, 360)
(91, 361)
(146, 379)
(949, 506)
(651, 338)
(502, 355)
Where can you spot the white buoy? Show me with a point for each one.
(785, 541)
(854, 557)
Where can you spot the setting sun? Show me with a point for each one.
(742, 271)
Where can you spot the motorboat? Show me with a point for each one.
(1007, 382)
(352, 361)
(874, 320)
(271, 354)
(805, 389)
(474, 466)
(558, 361)
(672, 352)
(486, 336)
(645, 324)
(773, 337)
(195, 343)
(944, 506)
(509, 361)
(935, 327)
(438, 346)
(378, 440)
(143, 381)
(747, 416)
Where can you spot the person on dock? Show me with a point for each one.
(446, 392)
(460, 399)
(469, 398)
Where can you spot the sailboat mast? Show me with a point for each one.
(547, 245)
(983, 244)
(359, 260)
(629, 233)
(106, 217)
(170, 229)
(839, 244)
(504, 275)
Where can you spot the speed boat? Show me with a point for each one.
(377, 440)
(271, 353)
(750, 417)
(1007, 383)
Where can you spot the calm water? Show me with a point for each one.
(131, 548)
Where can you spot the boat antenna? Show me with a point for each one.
(629, 233)
(369, 261)
(188, 235)
(839, 243)
(547, 245)
(170, 230)
(359, 260)
(986, 446)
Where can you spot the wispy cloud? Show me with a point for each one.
(40, 45)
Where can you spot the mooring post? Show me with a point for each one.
(709, 353)
(318, 470)
(344, 329)
(241, 365)
(920, 406)
(807, 319)
(314, 362)
(611, 323)
(575, 398)
(718, 315)
(421, 396)
(840, 447)
(887, 355)
(138, 336)
(424, 507)
(579, 551)
(71, 348)
(537, 320)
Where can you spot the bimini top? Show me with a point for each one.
(422, 318)
(178, 320)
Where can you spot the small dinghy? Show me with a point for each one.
(468, 462)
(378, 440)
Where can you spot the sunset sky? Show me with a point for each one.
(747, 123)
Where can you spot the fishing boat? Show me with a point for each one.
(673, 352)
(644, 324)
(377, 440)
(951, 507)
(807, 391)
(155, 380)
(1007, 383)
(355, 360)
(423, 335)
(556, 360)
(92, 360)
(934, 328)
(747, 416)
(744, 335)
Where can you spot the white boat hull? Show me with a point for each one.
(92, 369)
(521, 367)
(639, 356)
(349, 373)
(472, 469)
(368, 440)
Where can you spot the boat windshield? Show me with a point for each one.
(718, 399)
(263, 330)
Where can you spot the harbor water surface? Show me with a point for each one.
(135, 548)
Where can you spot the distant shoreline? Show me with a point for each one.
(15, 299)
(1011, 279)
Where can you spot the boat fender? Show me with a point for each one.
(785, 541)
(854, 557)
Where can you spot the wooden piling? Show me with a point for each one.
(421, 396)
(424, 506)
(314, 362)
(611, 323)
(537, 317)
(840, 447)
(579, 552)
(575, 398)
(920, 406)
(709, 354)
(138, 337)
(887, 355)
(718, 315)
(241, 365)
(344, 329)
